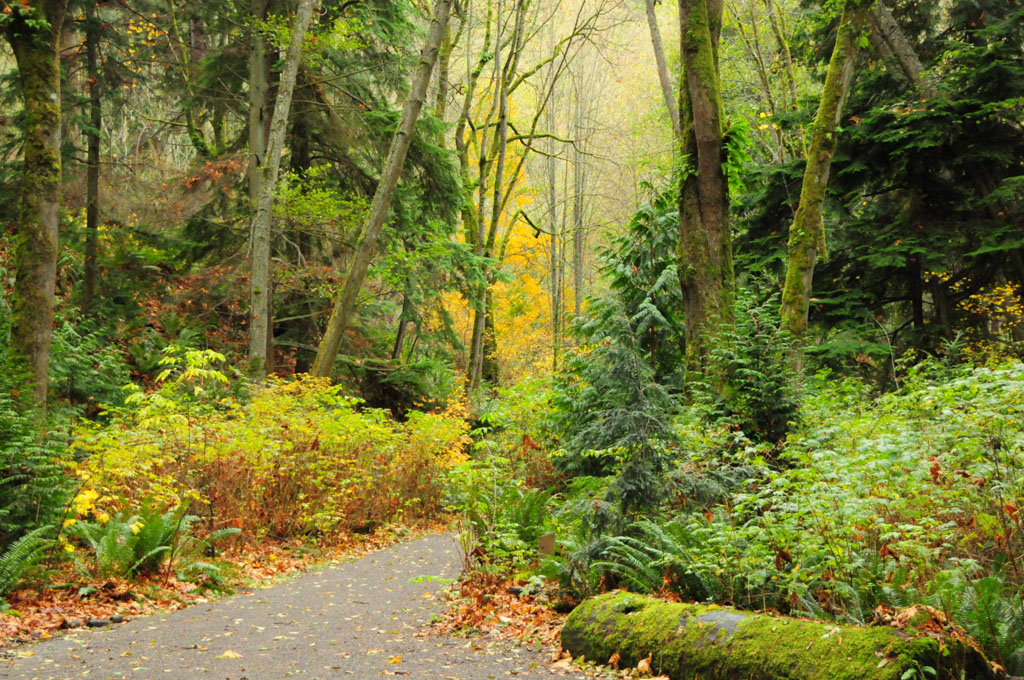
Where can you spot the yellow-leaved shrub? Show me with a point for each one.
(295, 457)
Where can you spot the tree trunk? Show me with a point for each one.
(404, 319)
(701, 642)
(443, 69)
(553, 247)
(490, 371)
(663, 77)
(260, 332)
(259, 102)
(579, 174)
(33, 34)
(781, 33)
(345, 302)
(92, 173)
(943, 309)
(916, 291)
(486, 237)
(884, 26)
(806, 235)
(556, 298)
(485, 362)
(476, 341)
(705, 243)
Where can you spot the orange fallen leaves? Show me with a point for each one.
(485, 604)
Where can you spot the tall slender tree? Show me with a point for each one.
(33, 31)
(259, 99)
(807, 234)
(662, 64)
(344, 303)
(260, 299)
(93, 135)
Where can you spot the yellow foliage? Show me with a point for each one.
(998, 310)
(296, 457)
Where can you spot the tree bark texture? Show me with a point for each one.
(701, 642)
(705, 243)
(345, 302)
(444, 58)
(33, 33)
(662, 64)
(806, 235)
(259, 283)
(884, 26)
(259, 101)
(92, 173)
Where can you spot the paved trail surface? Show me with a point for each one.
(357, 619)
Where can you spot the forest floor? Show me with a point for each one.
(366, 618)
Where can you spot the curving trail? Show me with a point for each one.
(360, 619)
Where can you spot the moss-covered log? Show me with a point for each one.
(699, 642)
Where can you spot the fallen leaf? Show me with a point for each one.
(228, 654)
(396, 659)
(561, 665)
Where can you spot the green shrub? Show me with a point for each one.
(755, 386)
(85, 371)
(517, 424)
(143, 543)
(991, 609)
(33, 484)
(21, 556)
(615, 417)
(659, 556)
(617, 390)
(505, 516)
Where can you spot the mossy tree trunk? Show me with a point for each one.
(33, 32)
(260, 301)
(701, 642)
(807, 235)
(344, 304)
(705, 241)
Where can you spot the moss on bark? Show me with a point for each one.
(705, 240)
(707, 642)
(807, 235)
(33, 33)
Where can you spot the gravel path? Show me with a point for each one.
(359, 619)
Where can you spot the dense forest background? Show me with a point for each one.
(727, 295)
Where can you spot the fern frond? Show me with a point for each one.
(22, 555)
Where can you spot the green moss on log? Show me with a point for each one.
(700, 642)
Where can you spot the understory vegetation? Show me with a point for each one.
(870, 502)
(157, 486)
